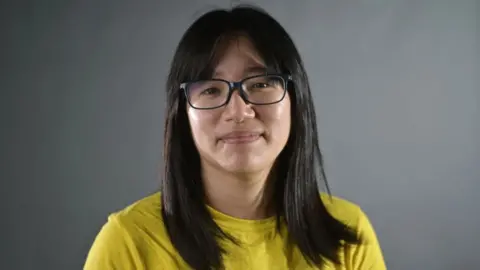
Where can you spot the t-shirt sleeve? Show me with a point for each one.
(112, 249)
(368, 254)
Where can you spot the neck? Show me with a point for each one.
(240, 195)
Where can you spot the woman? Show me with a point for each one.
(242, 165)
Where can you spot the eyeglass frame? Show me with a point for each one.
(232, 86)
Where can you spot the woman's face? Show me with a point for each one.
(240, 137)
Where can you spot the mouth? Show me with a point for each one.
(242, 138)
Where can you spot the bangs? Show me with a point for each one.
(202, 47)
(203, 66)
(223, 44)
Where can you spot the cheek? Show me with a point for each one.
(202, 124)
(277, 118)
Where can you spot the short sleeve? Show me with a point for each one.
(112, 249)
(368, 254)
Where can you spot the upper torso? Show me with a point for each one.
(135, 238)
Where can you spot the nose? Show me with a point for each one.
(237, 109)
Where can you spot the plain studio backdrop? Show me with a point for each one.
(396, 91)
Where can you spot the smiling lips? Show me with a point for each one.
(240, 137)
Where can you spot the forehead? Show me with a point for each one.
(238, 58)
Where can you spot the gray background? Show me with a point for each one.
(395, 85)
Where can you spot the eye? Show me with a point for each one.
(210, 91)
(260, 85)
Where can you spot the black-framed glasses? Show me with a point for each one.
(258, 90)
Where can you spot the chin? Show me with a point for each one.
(242, 165)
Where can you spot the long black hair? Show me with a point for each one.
(299, 167)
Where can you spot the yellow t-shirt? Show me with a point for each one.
(135, 238)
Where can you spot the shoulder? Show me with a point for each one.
(132, 238)
(342, 209)
(348, 213)
(146, 208)
(139, 217)
(368, 254)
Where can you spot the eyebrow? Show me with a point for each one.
(253, 70)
